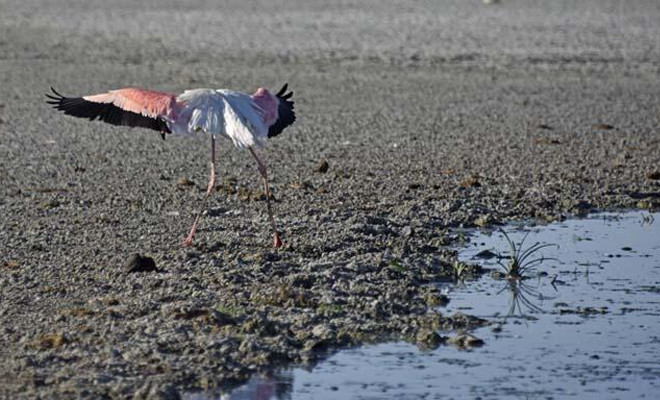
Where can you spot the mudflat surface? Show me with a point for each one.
(430, 115)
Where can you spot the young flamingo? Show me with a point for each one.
(248, 120)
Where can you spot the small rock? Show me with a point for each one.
(428, 339)
(485, 220)
(465, 340)
(137, 263)
(436, 300)
(472, 181)
(485, 255)
(655, 175)
(184, 182)
(323, 167)
(52, 341)
(407, 231)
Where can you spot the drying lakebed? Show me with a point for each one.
(584, 325)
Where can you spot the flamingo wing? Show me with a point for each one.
(128, 107)
(285, 114)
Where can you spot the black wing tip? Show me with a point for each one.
(282, 94)
(282, 90)
(52, 89)
(55, 99)
(286, 115)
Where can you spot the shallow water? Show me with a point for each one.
(590, 328)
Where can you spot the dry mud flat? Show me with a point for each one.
(429, 116)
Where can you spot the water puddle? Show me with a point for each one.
(589, 329)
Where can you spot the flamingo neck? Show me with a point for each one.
(267, 105)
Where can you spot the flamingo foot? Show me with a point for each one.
(189, 240)
(276, 241)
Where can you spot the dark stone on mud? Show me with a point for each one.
(323, 167)
(603, 127)
(655, 175)
(137, 263)
(485, 255)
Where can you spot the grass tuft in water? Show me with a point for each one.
(520, 263)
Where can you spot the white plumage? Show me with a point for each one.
(220, 112)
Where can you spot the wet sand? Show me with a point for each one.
(430, 115)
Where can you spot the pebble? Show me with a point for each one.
(322, 167)
(138, 263)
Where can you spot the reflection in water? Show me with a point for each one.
(521, 294)
(273, 386)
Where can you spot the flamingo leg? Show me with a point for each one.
(209, 189)
(264, 174)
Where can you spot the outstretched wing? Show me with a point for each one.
(128, 107)
(285, 114)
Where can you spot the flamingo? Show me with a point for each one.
(247, 120)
